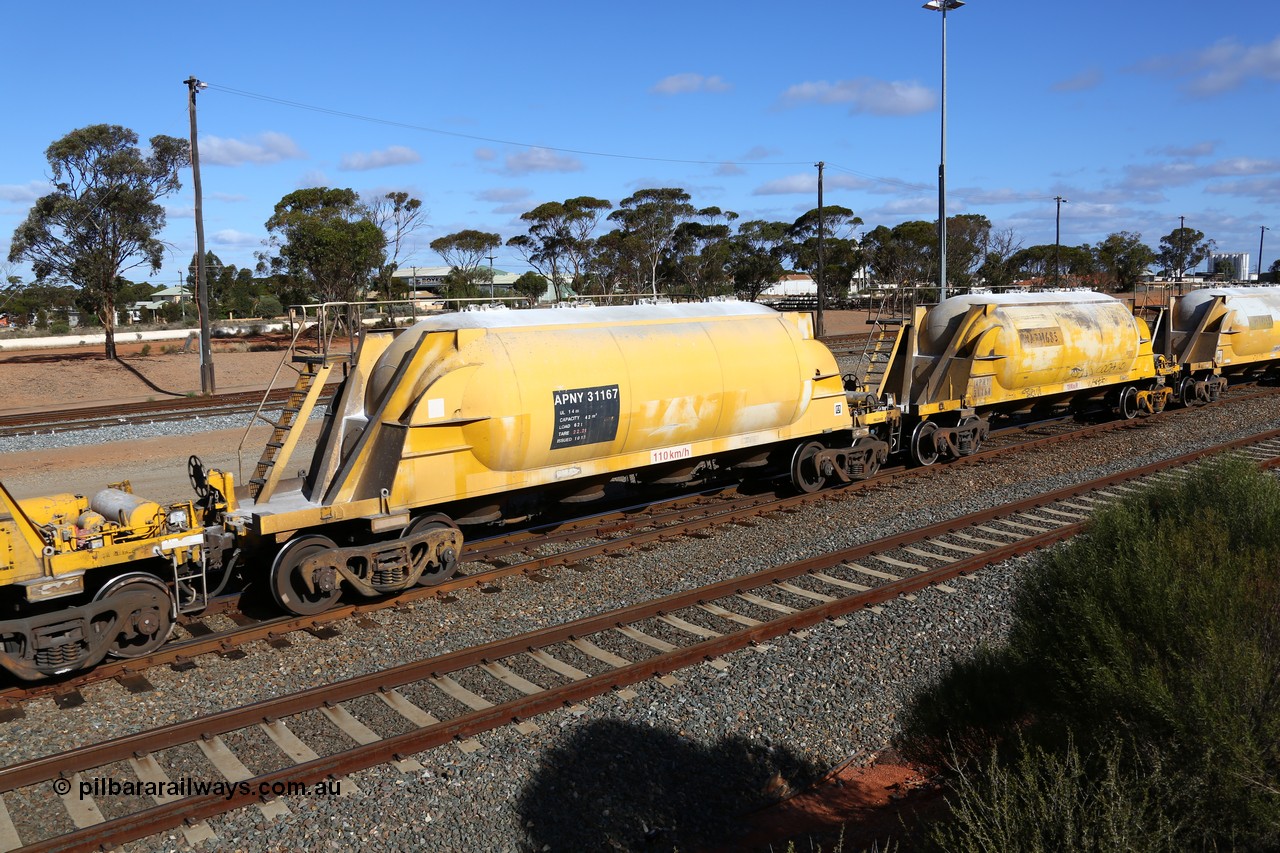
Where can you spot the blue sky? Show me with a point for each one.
(1137, 112)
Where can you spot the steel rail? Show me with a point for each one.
(149, 821)
(663, 525)
(36, 770)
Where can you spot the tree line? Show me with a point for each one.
(103, 218)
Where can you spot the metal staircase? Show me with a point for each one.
(888, 313)
(313, 361)
(285, 432)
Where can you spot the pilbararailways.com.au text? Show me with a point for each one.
(102, 786)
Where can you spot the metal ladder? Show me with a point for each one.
(193, 579)
(284, 431)
(888, 318)
(316, 366)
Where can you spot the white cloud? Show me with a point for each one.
(760, 152)
(231, 237)
(1086, 79)
(1221, 67)
(180, 212)
(1182, 172)
(503, 194)
(269, 147)
(865, 95)
(486, 155)
(396, 155)
(808, 183)
(1265, 189)
(729, 169)
(1196, 149)
(314, 178)
(30, 191)
(541, 160)
(680, 84)
(1003, 195)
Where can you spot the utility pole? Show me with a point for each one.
(1057, 242)
(207, 385)
(491, 257)
(1182, 246)
(822, 293)
(1261, 236)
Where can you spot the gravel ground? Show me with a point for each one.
(674, 766)
(133, 432)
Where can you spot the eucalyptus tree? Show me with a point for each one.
(466, 251)
(1183, 249)
(755, 260)
(903, 255)
(700, 252)
(968, 238)
(616, 264)
(842, 256)
(652, 216)
(1123, 259)
(397, 215)
(1073, 262)
(103, 216)
(546, 246)
(531, 286)
(322, 245)
(582, 217)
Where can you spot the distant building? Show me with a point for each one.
(791, 284)
(1235, 265)
(428, 281)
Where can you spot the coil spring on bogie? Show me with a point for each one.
(389, 572)
(65, 654)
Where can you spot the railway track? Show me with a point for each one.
(150, 411)
(571, 542)
(539, 672)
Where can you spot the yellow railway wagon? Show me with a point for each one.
(1231, 330)
(991, 350)
(476, 414)
(81, 579)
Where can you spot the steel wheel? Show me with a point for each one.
(141, 629)
(805, 473)
(1128, 407)
(924, 447)
(418, 555)
(289, 587)
(1187, 392)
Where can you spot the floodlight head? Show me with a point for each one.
(943, 5)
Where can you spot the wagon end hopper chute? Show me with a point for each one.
(466, 410)
(1226, 330)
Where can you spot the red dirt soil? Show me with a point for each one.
(859, 804)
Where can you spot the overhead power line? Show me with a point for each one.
(493, 140)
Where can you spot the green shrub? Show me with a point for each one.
(1046, 802)
(1161, 626)
(146, 350)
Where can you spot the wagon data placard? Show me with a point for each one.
(585, 416)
